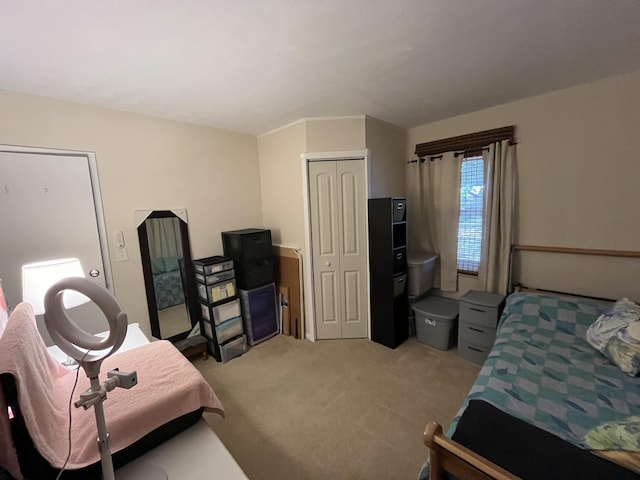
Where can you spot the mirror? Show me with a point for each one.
(168, 272)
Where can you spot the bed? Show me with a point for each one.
(158, 423)
(541, 398)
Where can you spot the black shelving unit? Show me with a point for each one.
(388, 270)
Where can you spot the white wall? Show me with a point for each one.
(335, 134)
(147, 163)
(386, 145)
(578, 179)
(281, 183)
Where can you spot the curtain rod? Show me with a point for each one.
(455, 154)
(466, 142)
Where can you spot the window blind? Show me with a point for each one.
(470, 223)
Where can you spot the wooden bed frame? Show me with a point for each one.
(447, 455)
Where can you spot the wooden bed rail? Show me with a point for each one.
(448, 455)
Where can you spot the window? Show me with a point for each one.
(470, 222)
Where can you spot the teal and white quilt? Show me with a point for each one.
(542, 370)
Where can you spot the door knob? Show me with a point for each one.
(328, 264)
(94, 273)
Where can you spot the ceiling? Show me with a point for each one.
(254, 65)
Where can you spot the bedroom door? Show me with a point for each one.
(50, 208)
(337, 199)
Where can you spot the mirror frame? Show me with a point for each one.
(188, 282)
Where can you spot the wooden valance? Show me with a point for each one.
(472, 142)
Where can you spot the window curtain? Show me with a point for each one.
(164, 237)
(433, 211)
(500, 179)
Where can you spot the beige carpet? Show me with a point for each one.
(334, 409)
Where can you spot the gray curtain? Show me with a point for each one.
(500, 176)
(164, 237)
(433, 190)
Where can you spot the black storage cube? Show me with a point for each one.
(399, 210)
(254, 274)
(399, 260)
(248, 244)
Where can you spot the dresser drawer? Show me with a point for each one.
(474, 353)
(475, 334)
(479, 314)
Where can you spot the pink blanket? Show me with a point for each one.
(168, 387)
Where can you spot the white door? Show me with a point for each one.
(48, 211)
(337, 199)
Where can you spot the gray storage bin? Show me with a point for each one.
(436, 322)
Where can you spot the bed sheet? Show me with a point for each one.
(542, 370)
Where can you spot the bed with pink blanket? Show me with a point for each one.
(170, 396)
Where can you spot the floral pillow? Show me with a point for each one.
(616, 334)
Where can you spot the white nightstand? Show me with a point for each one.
(479, 314)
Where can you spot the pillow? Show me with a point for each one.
(616, 334)
(157, 266)
(171, 264)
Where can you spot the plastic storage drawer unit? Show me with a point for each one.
(229, 329)
(222, 312)
(214, 277)
(209, 265)
(479, 313)
(217, 292)
(436, 322)
(233, 348)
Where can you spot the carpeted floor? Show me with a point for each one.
(334, 409)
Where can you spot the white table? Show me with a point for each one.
(194, 454)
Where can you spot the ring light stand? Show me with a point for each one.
(79, 344)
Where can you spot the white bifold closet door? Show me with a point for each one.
(337, 193)
(48, 210)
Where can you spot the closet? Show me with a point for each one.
(337, 202)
